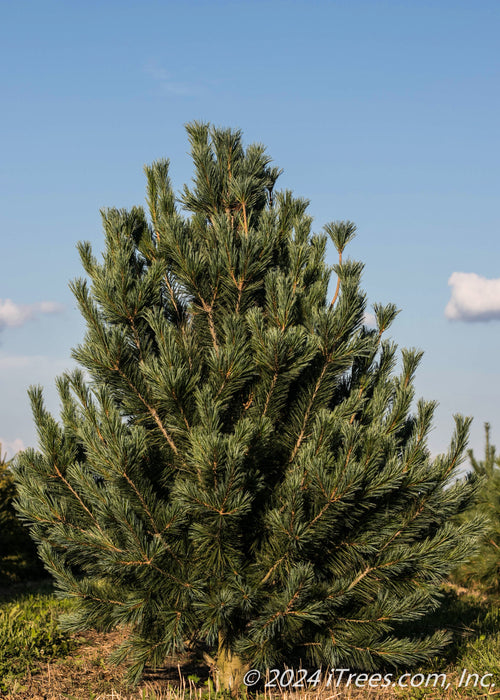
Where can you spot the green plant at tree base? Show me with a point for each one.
(242, 473)
(484, 569)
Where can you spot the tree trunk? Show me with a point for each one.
(229, 670)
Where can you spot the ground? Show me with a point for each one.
(85, 673)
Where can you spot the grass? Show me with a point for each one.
(39, 661)
(29, 633)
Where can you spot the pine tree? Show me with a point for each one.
(18, 558)
(237, 469)
(484, 569)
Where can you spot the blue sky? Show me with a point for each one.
(384, 113)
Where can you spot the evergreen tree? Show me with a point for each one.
(238, 470)
(18, 558)
(484, 569)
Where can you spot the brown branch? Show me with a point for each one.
(338, 283)
(136, 337)
(273, 567)
(245, 222)
(309, 408)
(77, 496)
(332, 498)
(249, 402)
(360, 576)
(179, 406)
(208, 310)
(143, 502)
(271, 389)
(288, 610)
(172, 297)
(152, 411)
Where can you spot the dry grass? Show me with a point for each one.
(87, 675)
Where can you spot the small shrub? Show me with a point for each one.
(483, 571)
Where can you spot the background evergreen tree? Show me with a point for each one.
(18, 557)
(238, 470)
(484, 569)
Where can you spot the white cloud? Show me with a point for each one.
(10, 447)
(33, 369)
(473, 298)
(12, 314)
(23, 363)
(369, 320)
(166, 82)
(49, 307)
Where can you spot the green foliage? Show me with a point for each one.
(472, 620)
(18, 557)
(242, 471)
(476, 644)
(29, 634)
(484, 569)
